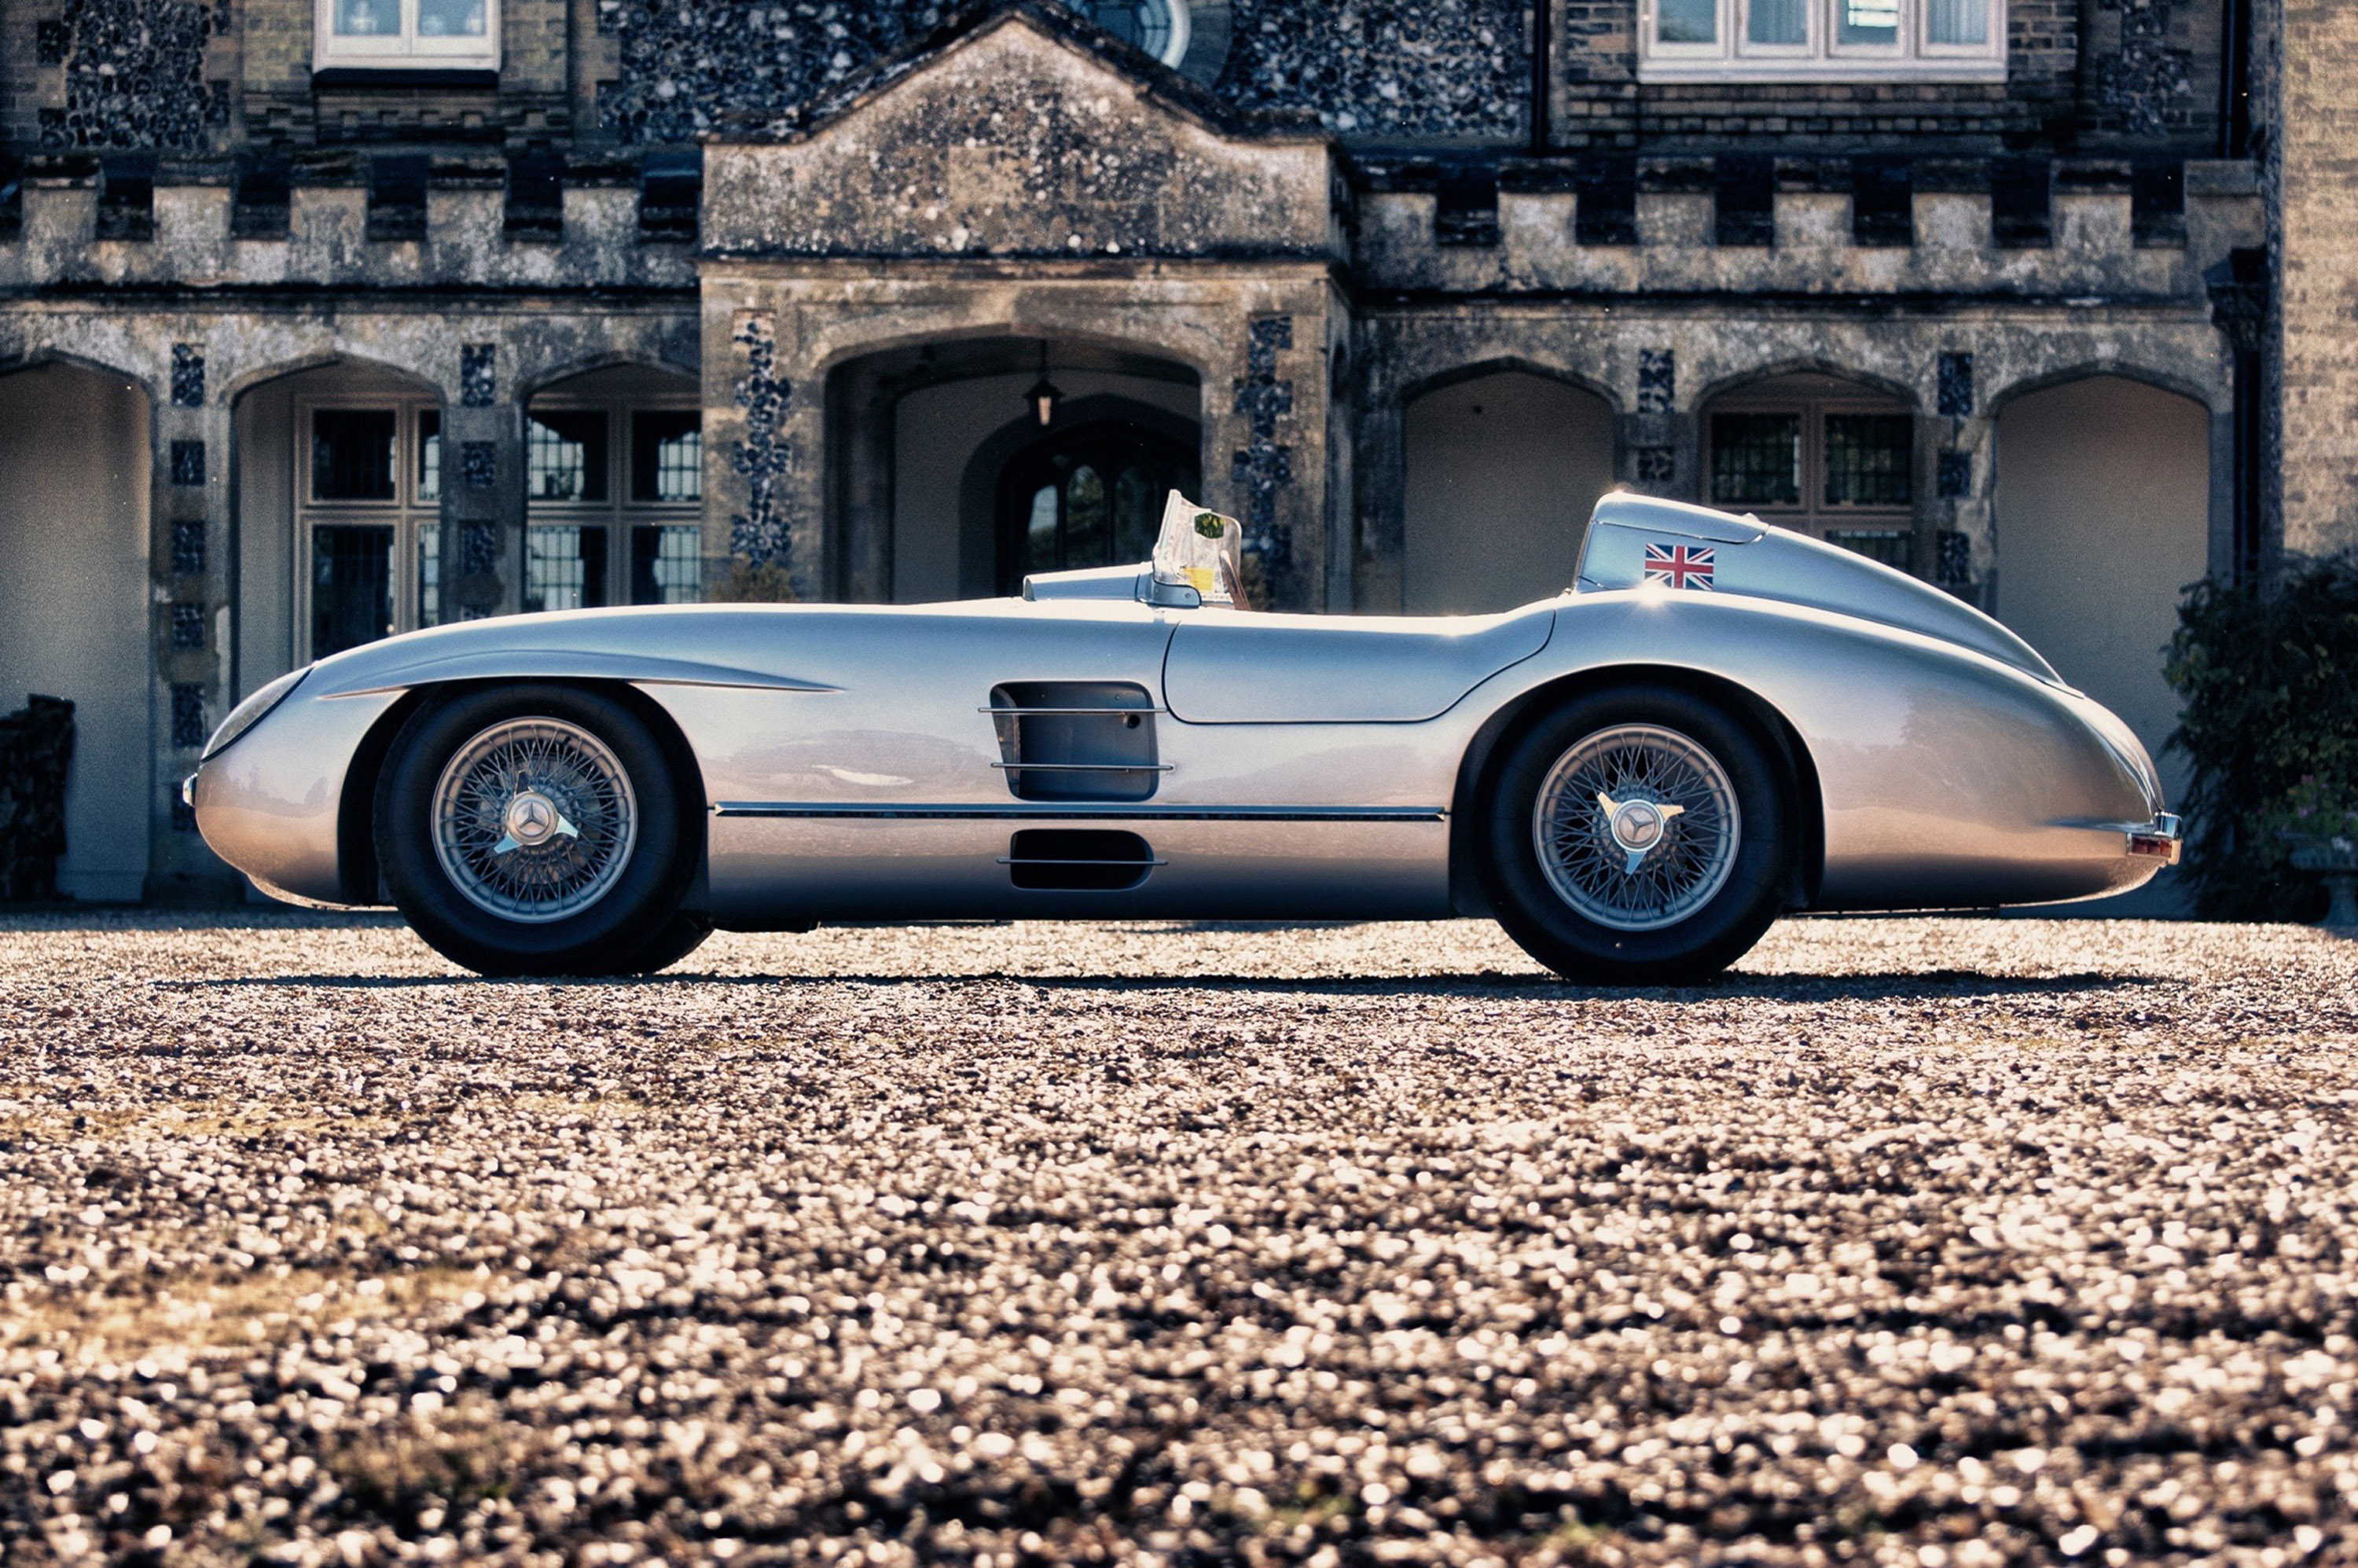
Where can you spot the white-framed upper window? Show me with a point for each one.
(1822, 40)
(406, 34)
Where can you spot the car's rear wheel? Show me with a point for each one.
(537, 830)
(1638, 835)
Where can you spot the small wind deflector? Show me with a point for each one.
(1202, 549)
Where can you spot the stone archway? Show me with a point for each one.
(340, 474)
(2102, 502)
(1502, 469)
(75, 473)
(1089, 494)
(921, 437)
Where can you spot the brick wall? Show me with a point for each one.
(2316, 123)
(1599, 103)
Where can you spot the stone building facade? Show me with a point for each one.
(326, 317)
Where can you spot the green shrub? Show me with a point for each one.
(2269, 678)
(769, 583)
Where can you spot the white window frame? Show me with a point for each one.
(618, 513)
(1810, 47)
(404, 50)
(408, 513)
(1735, 59)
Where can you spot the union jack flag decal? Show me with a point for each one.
(1678, 565)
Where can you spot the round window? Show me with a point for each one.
(1157, 26)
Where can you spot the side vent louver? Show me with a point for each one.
(1076, 739)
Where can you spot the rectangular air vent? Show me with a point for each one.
(1078, 860)
(1076, 739)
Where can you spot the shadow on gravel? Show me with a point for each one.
(1934, 983)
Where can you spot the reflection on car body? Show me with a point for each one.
(1718, 722)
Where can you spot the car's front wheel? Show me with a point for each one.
(1638, 835)
(536, 829)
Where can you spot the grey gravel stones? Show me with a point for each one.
(1914, 1243)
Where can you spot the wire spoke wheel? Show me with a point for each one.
(533, 819)
(1637, 828)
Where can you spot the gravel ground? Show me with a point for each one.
(1924, 1243)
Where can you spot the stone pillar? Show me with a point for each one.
(1959, 526)
(860, 459)
(764, 522)
(2239, 308)
(482, 489)
(1655, 450)
(2315, 124)
(1266, 441)
(192, 567)
(1380, 470)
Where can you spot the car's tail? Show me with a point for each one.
(1635, 541)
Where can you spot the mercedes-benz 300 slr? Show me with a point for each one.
(1719, 721)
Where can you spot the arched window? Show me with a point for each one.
(1157, 26)
(1091, 496)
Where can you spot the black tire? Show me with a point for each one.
(681, 935)
(625, 907)
(1738, 890)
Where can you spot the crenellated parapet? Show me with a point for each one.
(387, 223)
(1872, 226)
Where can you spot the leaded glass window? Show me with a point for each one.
(1821, 456)
(352, 454)
(366, 482)
(429, 455)
(351, 586)
(667, 455)
(1755, 460)
(565, 455)
(1867, 459)
(614, 470)
(666, 564)
(564, 567)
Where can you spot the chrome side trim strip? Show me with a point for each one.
(1082, 812)
(1083, 767)
(1064, 712)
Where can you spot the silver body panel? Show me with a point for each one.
(867, 762)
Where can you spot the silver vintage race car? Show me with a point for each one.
(1719, 722)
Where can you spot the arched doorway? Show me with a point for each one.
(339, 481)
(1821, 455)
(2103, 502)
(1502, 472)
(1090, 496)
(74, 616)
(920, 439)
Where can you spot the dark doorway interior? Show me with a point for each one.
(1090, 496)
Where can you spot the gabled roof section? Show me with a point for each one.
(979, 20)
(1022, 129)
